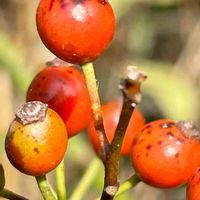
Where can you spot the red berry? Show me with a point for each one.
(63, 88)
(76, 31)
(193, 187)
(36, 140)
(165, 154)
(111, 113)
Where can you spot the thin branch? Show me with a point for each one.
(11, 195)
(130, 87)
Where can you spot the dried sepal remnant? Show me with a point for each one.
(189, 129)
(130, 84)
(31, 112)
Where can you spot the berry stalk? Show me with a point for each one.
(45, 188)
(128, 184)
(90, 78)
(60, 181)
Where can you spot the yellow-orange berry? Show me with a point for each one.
(36, 140)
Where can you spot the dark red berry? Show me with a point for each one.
(63, 88)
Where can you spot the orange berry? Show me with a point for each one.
(36, 140)
(166, 153)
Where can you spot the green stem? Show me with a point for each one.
(45, 188)
(86, 181)
(90, 78)
(60, 181)
(129, 184)
(7, 194)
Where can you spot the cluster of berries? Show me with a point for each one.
(164, 153)
(76, 32)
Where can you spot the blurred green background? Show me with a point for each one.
(161, 37)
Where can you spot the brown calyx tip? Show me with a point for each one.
(135, 75)
(131, 83)
(30, 112)
(189, 129)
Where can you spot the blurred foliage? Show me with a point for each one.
(14, 63)
(152, 34)
(171, 88)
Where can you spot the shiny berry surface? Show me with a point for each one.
(165, 154)
(111, 113)
(76, 31)
(37, 147)
(63, 88)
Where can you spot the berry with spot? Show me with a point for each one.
(166, 153)
(36, 140)
(76, 31)
(111, 113)
(63, 88)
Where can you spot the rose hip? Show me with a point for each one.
(63, 88)
(166, 153)
(36, 140)
(76, 31)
